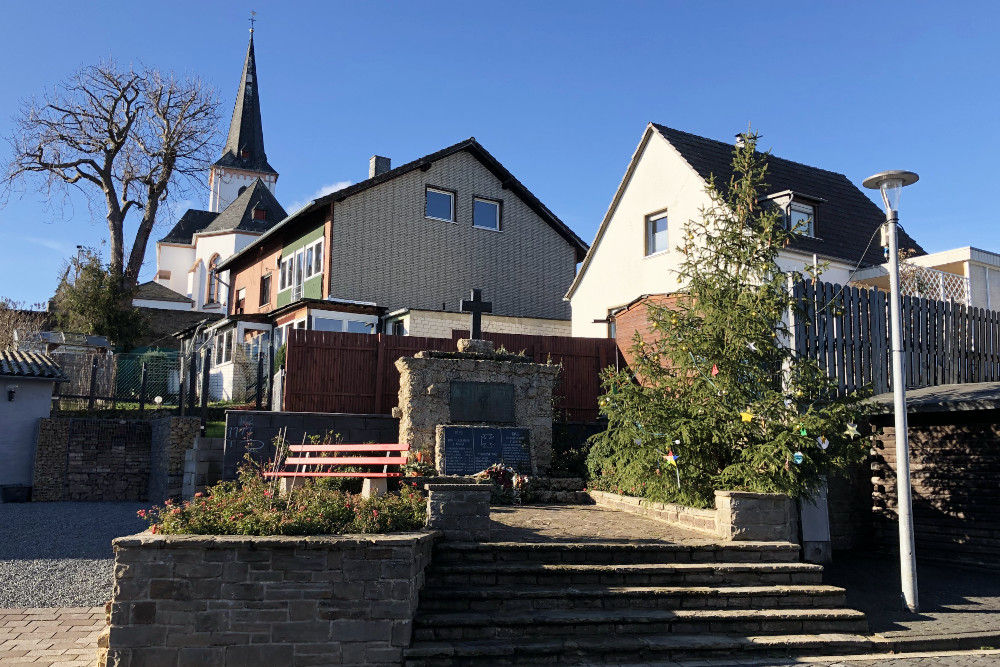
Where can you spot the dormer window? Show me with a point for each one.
(802, 219)
(244, 154)
(259, 214)
(798, 211)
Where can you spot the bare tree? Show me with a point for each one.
(126, 138)
(16, 316)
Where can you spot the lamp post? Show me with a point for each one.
(891, 184)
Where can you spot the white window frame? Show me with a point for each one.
(649, 220)
(439, 191)
(304, 264)
(496, 203)
(810, 211)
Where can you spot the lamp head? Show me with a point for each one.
(891, 184)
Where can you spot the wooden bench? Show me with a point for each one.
(305, 461)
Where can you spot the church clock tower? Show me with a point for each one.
(243, 158)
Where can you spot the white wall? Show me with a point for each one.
(438, 324)
(225, 185)
(161, 305)
(19, 427)
(176, 259)
(619, 271)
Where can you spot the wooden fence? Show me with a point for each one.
(356, 373)
(847, 331)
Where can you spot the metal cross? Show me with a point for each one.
(475, 305)
(252, 19)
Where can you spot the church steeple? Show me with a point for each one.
(243, 158)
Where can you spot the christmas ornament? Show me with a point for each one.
(822, 442)
(751, 346)
(715, 370)
(671, 459)
(852, 431)
(802, 430)
(746, 416)
(798, 458)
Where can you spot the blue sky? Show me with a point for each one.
(560, 92)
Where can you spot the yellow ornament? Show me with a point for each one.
(746, 416)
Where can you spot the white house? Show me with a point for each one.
(635, 250)
(241, 207)
(26, 383)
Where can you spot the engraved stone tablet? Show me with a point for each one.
(478, 402)
(469, 450)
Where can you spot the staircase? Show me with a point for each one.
(612, 603)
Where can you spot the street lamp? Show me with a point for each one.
(891, 184)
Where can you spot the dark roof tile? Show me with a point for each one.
(18, 364)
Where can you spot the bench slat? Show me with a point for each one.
(350, 448)
(333, 474)
(344, 460)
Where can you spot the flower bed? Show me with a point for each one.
(253, 506)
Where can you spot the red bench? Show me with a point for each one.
(304, 461)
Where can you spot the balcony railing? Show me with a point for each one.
(928, 283)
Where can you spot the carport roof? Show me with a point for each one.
(17, 364)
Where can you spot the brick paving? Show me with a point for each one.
(63, 637)
(583, 523)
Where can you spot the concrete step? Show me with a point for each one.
(614, 552)
(609, 623)
(676, 574)
(497, 599)
(623, 649)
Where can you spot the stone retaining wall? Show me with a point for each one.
(231, 600)
(459, 511)
(202, 466)
(111, 459)
(738, 516)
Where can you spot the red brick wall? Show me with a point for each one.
(634, 319)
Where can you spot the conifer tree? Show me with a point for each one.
(716, 385)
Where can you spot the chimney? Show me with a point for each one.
(378, 165)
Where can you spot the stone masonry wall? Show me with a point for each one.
(441, 324)
(425, 391)
(49, 482)
(953, 476)
(738, 516)
(263, 601)
(92, 459)
(202, 466)
(171, 438)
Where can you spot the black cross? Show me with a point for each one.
(475, 305)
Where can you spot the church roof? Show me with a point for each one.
(152, 291)
(192, 222)
(239, 216)
(244, 147)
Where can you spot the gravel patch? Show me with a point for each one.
(59, 554)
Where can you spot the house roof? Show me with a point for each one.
(845, 218)
(192, 222)
(17, 364)
(475, 149)
(246, 133)
(152, 291)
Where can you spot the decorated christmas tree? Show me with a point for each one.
(715, 398)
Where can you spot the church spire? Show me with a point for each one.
(244, 147)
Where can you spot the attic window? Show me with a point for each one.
(802, 218)
(259, 214)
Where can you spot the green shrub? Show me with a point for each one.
(252, 506)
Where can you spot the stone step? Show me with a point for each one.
(589, 623)
(675, 574)
(497, 599)
(623, 649)
(615, 552)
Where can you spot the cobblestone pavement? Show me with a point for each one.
(583, 523)
(953, 601)
(46, 637)
(984, 658)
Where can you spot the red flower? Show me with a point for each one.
(154, 528)
(199, 495)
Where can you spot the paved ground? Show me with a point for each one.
(66, 637)
(956, 604)
(583, 523)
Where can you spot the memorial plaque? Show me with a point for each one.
(468, 450)
(491, 402)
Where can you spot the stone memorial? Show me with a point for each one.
(469, 409)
